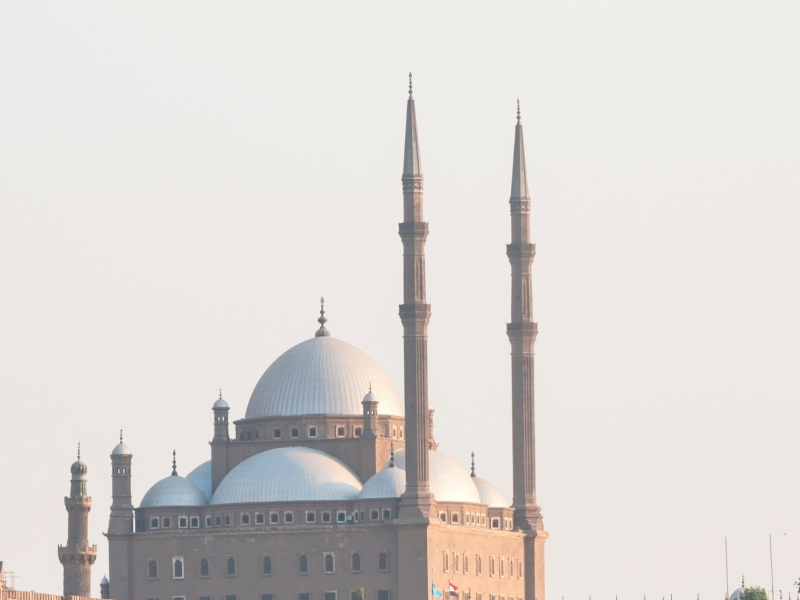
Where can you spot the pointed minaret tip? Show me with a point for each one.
(412, 164)
(410, 85)
(518, 113)
(519, 174)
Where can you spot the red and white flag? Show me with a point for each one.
(453, 589)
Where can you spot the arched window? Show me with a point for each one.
(295, 433)
(152, 569)
(267, 565)
(387, 514)
(454, 518)
(303, 564)
(446, 561)
(231, 566)
(478, 564)
(276, 433)
(340, 431)
(356, 562)
(203, 567)
(466, 564)
(329, 563)
(383, 561)
(455, 562)
(510, 567)
(373, 515)
(358, 432)
(491, 566)
(177, 568)
(502, 567)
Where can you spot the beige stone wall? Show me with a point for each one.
(6, 594)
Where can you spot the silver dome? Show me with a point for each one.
(201, 477)
(388, 483)
(489, 494)
(220, 403)
(288, 475)
(321, 376)
(121, 449)
(450, 482)
(173, 491)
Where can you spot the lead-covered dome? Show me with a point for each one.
(288, 475)
(489, 493)
(390, 482)
(450, 482)
(201, 477)
(173, 491)
(322, 375)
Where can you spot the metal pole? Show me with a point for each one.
(727, 591)
(771, 574)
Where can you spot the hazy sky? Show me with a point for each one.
(180, 182)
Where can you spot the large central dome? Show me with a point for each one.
(320, 376)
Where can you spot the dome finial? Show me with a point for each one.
(472, 473)
(391, 454)
(410, 86)
(174, 464)
(120, 436)
(79, 450)
(322, 332)
(220, 393)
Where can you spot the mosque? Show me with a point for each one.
(332, 487)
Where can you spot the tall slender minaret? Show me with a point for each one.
(416, 502)
(78, 556)
(522, 335)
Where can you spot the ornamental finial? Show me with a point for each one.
(518, 113)
(79, 450)
(174, 464)
(472, 474)
(410, 85)
(391, 454)
(120, 436)
(322, 332)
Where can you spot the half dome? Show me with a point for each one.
(387, 483)
(450, 482)
(320, 376)
(489, 493)
(201, 477)
(288, 475)
(173, 491)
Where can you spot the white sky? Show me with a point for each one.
(180, 182)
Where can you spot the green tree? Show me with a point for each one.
(755, 593)
(797, 583)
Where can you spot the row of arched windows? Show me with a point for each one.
(461, 563)
(328, 565)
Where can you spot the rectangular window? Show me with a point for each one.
(179, 598)
(303, 596)
(227, 520)
(455, 562)
(312, 432)
(266, 596)
(230, 597)
(205, 597)
(356, 595)
(218, 521)
(330, 595)
(383, 594)
(394, 431)
(208, 522)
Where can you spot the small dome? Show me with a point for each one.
(104, 580)
(201, 477)
(370, 397)
(79, 469)
(489, 494)
(220, 403)
(450, 482)
(121, 449)
(388, 483)
(321, 376)
(173, 491)
(288, 474)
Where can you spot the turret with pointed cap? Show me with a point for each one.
(77, 556)
(522, 334)
(417, 501)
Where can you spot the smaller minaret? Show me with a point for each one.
(221, 409)
(105, 591)
(78, 556)
(432, 445)
(121, 518)
(370, 404)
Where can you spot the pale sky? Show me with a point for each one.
(180, 182)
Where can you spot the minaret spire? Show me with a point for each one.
(416, 502)
(77, 556)
(522, 332)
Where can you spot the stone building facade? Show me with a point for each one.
(331, 487)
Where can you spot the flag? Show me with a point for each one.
(435, 592)
(453, 589)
